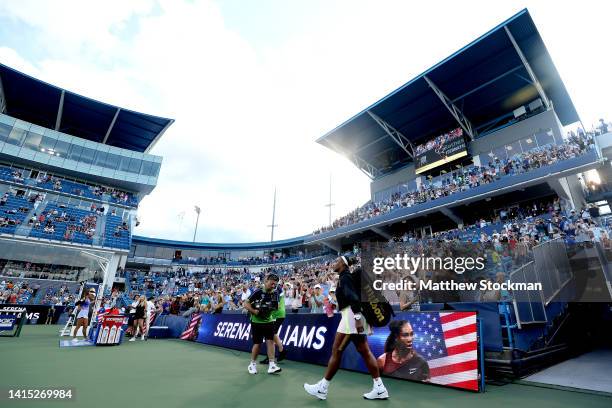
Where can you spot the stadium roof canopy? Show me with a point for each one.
(46, 105)
(477, 88)
(285, 243)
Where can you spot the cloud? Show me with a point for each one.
(248, 110)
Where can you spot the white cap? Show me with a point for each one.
(317, 286)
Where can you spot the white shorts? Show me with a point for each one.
(347, 323)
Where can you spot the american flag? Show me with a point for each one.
(152, 315)
(447, 340)
(101, 313)
(189, 333)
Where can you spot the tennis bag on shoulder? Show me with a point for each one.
(374, 306)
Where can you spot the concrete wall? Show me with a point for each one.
(390, 180)
(605, 141)
(520, 130)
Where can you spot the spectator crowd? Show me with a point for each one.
(468, 178)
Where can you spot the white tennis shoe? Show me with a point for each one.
(273, 368)
(378, 392)
(316, 390)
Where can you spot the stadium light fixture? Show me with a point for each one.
(197, 209)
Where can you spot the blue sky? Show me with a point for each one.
(252, 84)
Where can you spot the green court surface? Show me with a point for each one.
(175, 373)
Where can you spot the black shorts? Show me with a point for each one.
(277, 324)
(261, 331)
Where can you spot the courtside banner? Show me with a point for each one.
(307, 337)
(36, 314)
(431, 347)
(7, 322)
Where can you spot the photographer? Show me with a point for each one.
(261, 305)
(279, 318)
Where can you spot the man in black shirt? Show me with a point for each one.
(260, 306)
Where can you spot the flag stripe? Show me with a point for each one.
(454, 368)
(456, 377)
(455, 341)
(462, 348)
(451, 317)
(465, 321)
(192, 324)
(460, 331)
(469, 384)
(454, 359)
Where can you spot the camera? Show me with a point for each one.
(265, 307)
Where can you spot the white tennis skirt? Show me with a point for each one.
(347, 323)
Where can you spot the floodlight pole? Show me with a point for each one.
(330, 204)
(197, 210)
(273, 217)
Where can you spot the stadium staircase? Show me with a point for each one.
(100, 228)
(128, 281)
(570, 326)
(140, 283)
(25, 228)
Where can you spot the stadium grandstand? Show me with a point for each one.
(473, 153)
(72, 172)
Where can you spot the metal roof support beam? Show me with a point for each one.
(530, 82)
(60, 111)
(110, 127)
(465, 124)
(452, 215)
(333, 245)
(534, 79)
(2, 98)
(373, 142)
(401, 140)
(367, 168)
(382, 233)
(479, 87)
(490, 124)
